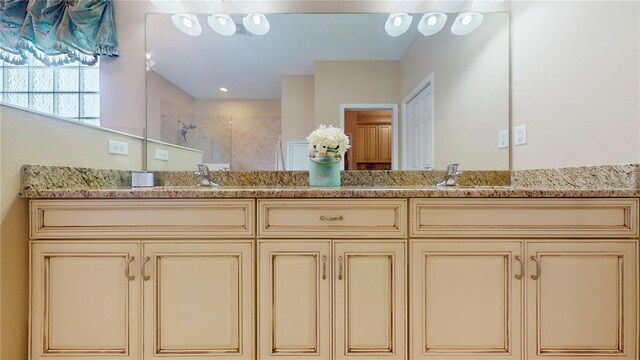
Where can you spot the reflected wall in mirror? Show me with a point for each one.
(248, 102)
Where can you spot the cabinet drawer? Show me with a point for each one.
(524, 218)
(158, 219)
(332, 218)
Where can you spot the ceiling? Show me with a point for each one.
(251, 66)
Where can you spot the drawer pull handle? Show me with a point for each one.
(324, 267)
(538, 268)
(332, 218)
(519, 276)
(142, 269)
(126, 269)
(339, 267)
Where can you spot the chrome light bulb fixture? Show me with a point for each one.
(222, 24)
(398, 24)
(465, 23)
(187, 23)
(432, 23)
(256, 24)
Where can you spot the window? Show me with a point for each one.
(70, 91)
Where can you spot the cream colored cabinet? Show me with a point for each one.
(85, 300)
(295, 279)
(198, 300)
(466, 300)
(582, 300)
(370, 307)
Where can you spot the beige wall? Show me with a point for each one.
(353, 82)
(180, 158)
(238, 107)
(165, 98)
(298, 108)
(470, 92)
(28, 138)
(576, 80)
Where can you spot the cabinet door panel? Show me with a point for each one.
(584, 302)
(466, 300)
(361, 144)
(372, 143)
(199, 300)
(384, 134)
(370, 299)
(294, 303)
(83, 305)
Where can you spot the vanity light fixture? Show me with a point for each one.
(171, 6)
(222, 24)
(150, 63)
(432, 23)
(486, 5)
(256, 24)
(466, 23)
(398, 24)
(224, 89)
(187, 23)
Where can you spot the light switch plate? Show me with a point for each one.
(503, 139)
(520, 135)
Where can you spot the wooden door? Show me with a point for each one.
(370, 300)
(198, 300)
(466, 300)
(384, 143)
(85, 300)
(583, 302)
(361, 144)
(294, 300)
(372, 143)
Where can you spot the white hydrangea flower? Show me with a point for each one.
(328, 138)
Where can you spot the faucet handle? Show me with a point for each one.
(452, 169)
(203, 170)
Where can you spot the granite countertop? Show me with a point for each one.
(48, 182)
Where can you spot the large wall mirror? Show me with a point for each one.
(247, 102)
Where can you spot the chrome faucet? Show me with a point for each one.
(451, 179)
(205, 175)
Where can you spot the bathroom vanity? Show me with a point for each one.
(395, 273)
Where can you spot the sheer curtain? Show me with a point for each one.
(57, 32)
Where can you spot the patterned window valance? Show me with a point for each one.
(57, 32)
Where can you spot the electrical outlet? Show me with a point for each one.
(520, 135)
(503, 139)
(162, 155)
(118, 147)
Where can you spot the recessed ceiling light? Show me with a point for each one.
(224, 89)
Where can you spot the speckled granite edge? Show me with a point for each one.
(585, 177)
(39, 177)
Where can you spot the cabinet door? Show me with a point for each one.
(370, 300)
(466, 300)
(84, 306)
(384, 143)
(583, 302)
(198, 300)
(294, 300)
(372, 143)
(361, 144)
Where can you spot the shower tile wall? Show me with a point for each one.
(254, 141)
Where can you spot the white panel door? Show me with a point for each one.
(419, 131)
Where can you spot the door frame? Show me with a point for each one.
(394, 125)
(426, 82)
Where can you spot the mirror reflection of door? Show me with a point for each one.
(371, 142)
(419, 130)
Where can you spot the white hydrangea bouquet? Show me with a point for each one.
(327, 144)
(328, 141)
